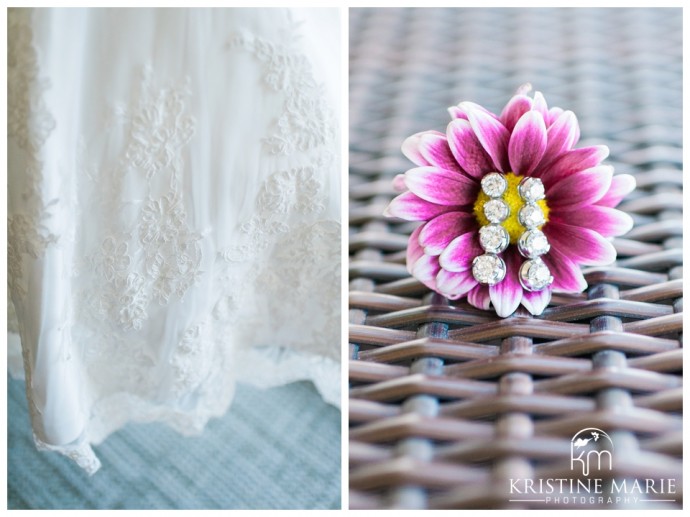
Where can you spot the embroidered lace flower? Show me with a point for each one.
(510, 208)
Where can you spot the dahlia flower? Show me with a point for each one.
(510, 208)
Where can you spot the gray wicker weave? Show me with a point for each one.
(448, 403)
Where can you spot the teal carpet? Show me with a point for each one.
(274, 449)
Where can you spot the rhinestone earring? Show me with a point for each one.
(534, 274)
(489, 268)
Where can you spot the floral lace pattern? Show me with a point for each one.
(25, 237)
(306, 122)
(173, 257)
(293, 190)
(159, 128)
(191, 361)
(113, 259)
(288, 231)
(306, 263)
(29, 124)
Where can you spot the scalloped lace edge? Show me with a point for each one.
(263, 367)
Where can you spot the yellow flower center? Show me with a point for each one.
(514, 202)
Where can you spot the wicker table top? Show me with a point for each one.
(449, 403)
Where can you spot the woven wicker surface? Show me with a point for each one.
(448, 403)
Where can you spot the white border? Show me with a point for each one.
(344, 15)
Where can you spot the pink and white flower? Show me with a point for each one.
(527, 139)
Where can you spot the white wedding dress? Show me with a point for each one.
(173, 213)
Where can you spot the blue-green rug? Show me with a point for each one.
(278, 448)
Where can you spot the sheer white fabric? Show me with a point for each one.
(173, 213)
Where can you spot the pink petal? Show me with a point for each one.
(562, 135)
(460, 253)
(536, 301)
(434, 148)
(410, 207)
(441, 230)
(440, 186)
(570, 162)
(539, 105)
(621, 186)
(606, 221)
(491, 134)
(553, 115)
(581, 245)
(399, 183)
(580, 189)
(506, 295)
(517, 106)
(411, 148)
(467, 150)
(414, 249)
(567, 276)
(462, 110)
(456, 112)
(527, 143)
(479, 297)
(523, 89)
(425, 270)
(454, 285)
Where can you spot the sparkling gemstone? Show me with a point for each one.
(531, 215)
(496, 210)
(494, 184)
(493, 238)
(533, 243)
(531, 189)
(535, 275)
(488, 269)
